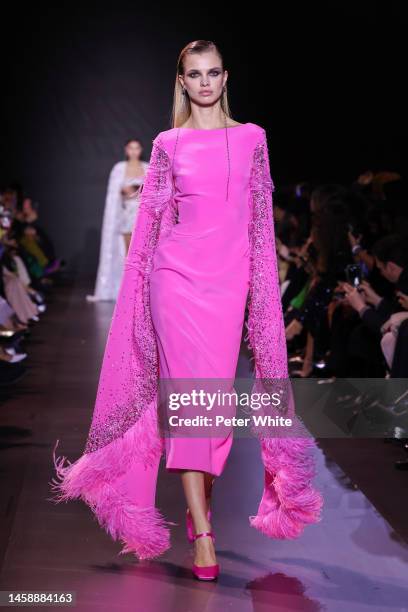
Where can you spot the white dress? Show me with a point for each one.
(118, 218)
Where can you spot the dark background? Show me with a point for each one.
(78, 80)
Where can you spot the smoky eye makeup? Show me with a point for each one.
(214, 72)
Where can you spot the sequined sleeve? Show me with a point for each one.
(155, 199)
(128, 379)
(266, 329)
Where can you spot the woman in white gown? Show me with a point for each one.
(121, 208)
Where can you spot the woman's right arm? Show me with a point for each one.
(155, 196)
(128, 379)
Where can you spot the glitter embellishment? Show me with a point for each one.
(266, 332)
(127, 395)
(128, 379)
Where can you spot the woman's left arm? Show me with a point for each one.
(265, 321)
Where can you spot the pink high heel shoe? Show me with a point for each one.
(190, 526)
(205, 572)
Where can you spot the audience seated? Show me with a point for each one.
(28, 268)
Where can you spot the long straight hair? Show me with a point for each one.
(181, 103)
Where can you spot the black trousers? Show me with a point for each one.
(355, 350)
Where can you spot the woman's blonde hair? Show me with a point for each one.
(181, 103)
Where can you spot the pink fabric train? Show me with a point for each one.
(117, 472)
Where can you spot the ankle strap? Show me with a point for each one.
(204, 533)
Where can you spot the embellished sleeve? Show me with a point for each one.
(266, 331)
(155, 197)
(289, 500)
(128, 377)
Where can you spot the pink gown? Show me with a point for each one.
(203, 241)
(200, 276)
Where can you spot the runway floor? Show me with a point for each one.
(354, 560)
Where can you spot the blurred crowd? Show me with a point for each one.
(28, 269)
(343, 265)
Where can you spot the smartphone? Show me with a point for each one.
(353, 274)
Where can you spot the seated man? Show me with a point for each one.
(391, 259)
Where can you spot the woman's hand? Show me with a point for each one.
(393, 323)
(354, 241)
(353, 297)
(370, 295)
(301, 256)
(125, 191)
(130, 191)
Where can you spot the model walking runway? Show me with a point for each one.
(352, 559)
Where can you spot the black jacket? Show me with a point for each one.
(375, 317)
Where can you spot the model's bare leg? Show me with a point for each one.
(208, 485)
(195, 491)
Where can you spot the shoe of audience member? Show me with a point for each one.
(7, 333)
(17, 357)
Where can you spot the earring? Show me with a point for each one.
(183, 91)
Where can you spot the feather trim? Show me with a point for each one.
(142, 530)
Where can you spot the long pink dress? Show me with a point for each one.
(200, 277)
(203, 242)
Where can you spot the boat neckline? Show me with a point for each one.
(230, 127)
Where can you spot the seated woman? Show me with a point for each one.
(327, 253)
(34, 240)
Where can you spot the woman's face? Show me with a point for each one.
(203, 77)
(133, 150)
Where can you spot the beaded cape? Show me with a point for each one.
(124, 426)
